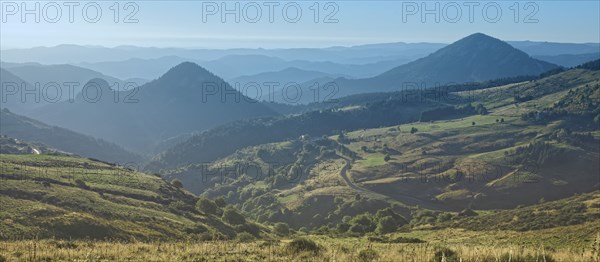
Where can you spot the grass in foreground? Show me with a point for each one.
(315, 248)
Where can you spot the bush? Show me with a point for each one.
(231, 216)
(248, 228)
(2, 258)
(386, 225)
(197, 229)
(343, 227)
(362, 224)
(207, 206)
(467, 213)
(245, 237)
(407, 240)
(445, 254)
(220, 202)
(281, 229)
(177, 183)
(387, 158)
(367, 255)
(303, 245)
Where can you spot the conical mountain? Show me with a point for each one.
(186, 99)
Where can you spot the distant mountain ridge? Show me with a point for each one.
(186, 99)
(475, 58)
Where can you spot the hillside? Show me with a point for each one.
(184, 100)
(43, 196)
(226, 139)
(61, 74)
(27, 129)
(496, 148)
(12, 86)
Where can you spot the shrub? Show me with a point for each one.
(197, 229)
(248, 228)
(386, 225)
(281, 229)
(467, 213)
(362, 224)
(177, 183)
(231, 216)
(343, 227)
(220, 202)
(245, 237)
(207, 206)
(406, 240)
(2, 258)
(303, 245)
(443, 217)
(445, 254)
(367, 255)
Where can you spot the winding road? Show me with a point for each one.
(405, 199)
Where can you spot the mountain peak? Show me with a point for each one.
(480, 36)
(186, 70)
(480, 39)
(474, 58)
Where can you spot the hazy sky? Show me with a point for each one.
(199, 24)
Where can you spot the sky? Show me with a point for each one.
(272, 24)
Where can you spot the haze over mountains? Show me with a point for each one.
(185, 99)
(27, 129)
(475, 58)
(193, 155)
(141, 118)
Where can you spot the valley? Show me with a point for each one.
(471, 151)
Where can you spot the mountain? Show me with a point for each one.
(11, 93)
(568, 60)
(184, 100)
(30, 130)
(61, 74)
(475, 58)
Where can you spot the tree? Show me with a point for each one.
(501, 120)
(343, 227)
(281, 229)
(387, 158)
(386, 225)
(205, 205)
(480, 109)
(413, 130)
(220, 201)
(231, 216)
(177, 183)
(472, 123)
